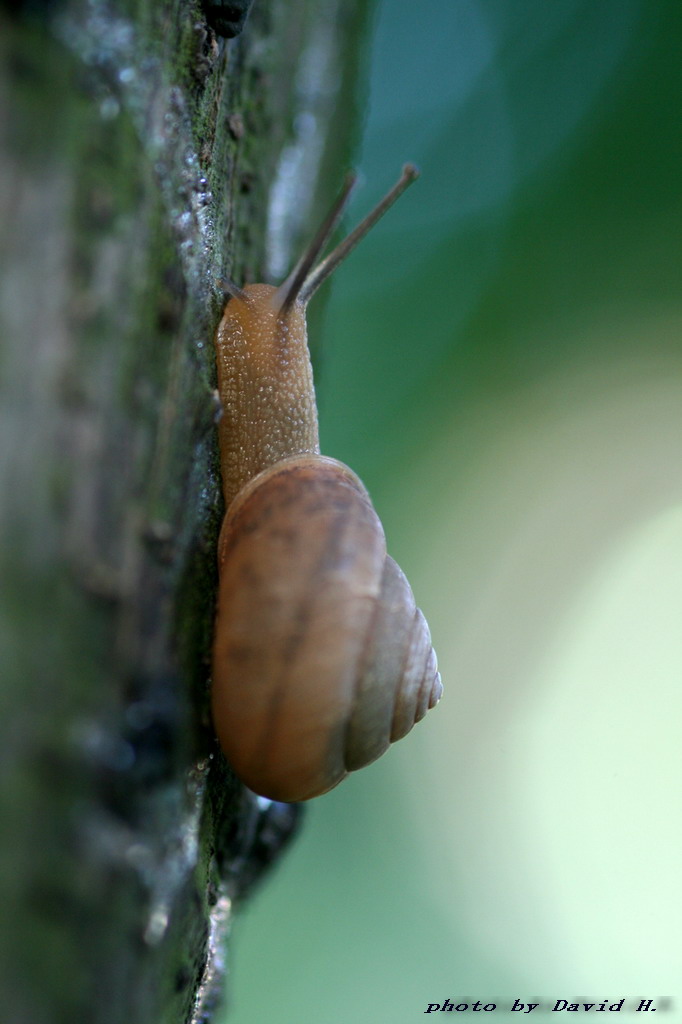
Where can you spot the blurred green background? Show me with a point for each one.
(501, 363)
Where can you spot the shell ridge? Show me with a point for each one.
(362, 664)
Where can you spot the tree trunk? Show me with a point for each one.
(143, 156)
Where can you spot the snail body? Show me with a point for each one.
(321, 658)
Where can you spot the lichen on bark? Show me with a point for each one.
(142, 157)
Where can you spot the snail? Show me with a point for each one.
(321, 658)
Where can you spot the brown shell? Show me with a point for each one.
(321, 658)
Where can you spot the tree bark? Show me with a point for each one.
(143, 157)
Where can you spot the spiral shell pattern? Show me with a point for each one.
(322, 659)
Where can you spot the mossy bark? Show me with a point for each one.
(142, 158)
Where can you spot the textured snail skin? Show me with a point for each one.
(266, 387)
(321, 658)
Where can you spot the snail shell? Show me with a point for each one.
(323, 658)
